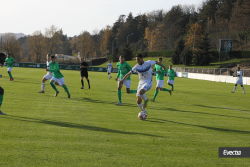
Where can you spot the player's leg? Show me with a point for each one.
(43, 84)
(243, 88)
(127, 83)
(161, 84)
(119, 92)
(82, 82)
(1, 99)
(235, 86)
(61, 82)
(139, 103)
(87, 78)
(52, 83)
(9, 72)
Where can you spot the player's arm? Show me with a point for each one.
(125, 77)
(55, 69)
(118, 74)
(163, 67)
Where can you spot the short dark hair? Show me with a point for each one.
(160, 58)
(52, 56)
(122, 56)
(139, 55)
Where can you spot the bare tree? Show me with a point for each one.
(11, 45)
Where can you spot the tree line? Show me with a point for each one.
(157, 30)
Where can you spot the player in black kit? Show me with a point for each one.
(84, 72)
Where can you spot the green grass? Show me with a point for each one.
(167, 62)
(184, 129)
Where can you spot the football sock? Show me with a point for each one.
(109, 75)
(165, 89)
(156, 92)
(43, 86)
(1, 100)
(53, 86)
(235, 88)
(88, 83)
(10, 76)
(66, 89)
(243, 88)
(82, 83)
(133, 91)
(120, 95)
(140, 106)
(172, 86)
(144, 97)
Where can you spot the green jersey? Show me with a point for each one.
(55, 69)
(9, 61)
(159, 76)
(123, 69)
(171, 74)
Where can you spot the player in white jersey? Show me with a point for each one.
(143, 68)
(109, 69)
(48, 76)
(239, 80)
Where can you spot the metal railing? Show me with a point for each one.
(215, 71)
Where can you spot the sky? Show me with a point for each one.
(74, 16)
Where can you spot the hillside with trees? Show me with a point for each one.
(158, 30)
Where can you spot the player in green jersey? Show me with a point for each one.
(159, 79)
(10, 61)
(171, 74)
(123, 69)
(1, 99)
(57, 76)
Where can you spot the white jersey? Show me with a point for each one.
(48, 67)
(239, 74)
(144, 71)
(110, 66)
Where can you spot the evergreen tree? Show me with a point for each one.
(127, 52)
(187, 56)
(176, 57)
(115, 57)
(202, 54)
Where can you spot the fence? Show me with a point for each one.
(215, 71)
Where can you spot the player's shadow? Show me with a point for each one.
(195, 112)
(85, 99)
(74, 125)
(199, 126)
(218, 107)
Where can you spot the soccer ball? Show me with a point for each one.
(142, 115)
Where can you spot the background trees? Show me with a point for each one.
(220, 19)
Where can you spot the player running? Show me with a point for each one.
(123, 69)
(10, 61)
(57, 76)
(143, 68)
(48, 76)
(159, 79)
(239, 80)
(171, 74)
(109, 69)
(84, 72)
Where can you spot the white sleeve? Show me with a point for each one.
(152, 62)
(134, 69)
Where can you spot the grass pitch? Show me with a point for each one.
(184, 129)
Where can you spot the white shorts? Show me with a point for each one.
(48, 76)
(144, 85)
(171, 81)
(109, 71)
(239, 81)
(160, 83)
(59, 80)
(9, 69)
(127, 83)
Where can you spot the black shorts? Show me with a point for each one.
(84, 74)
